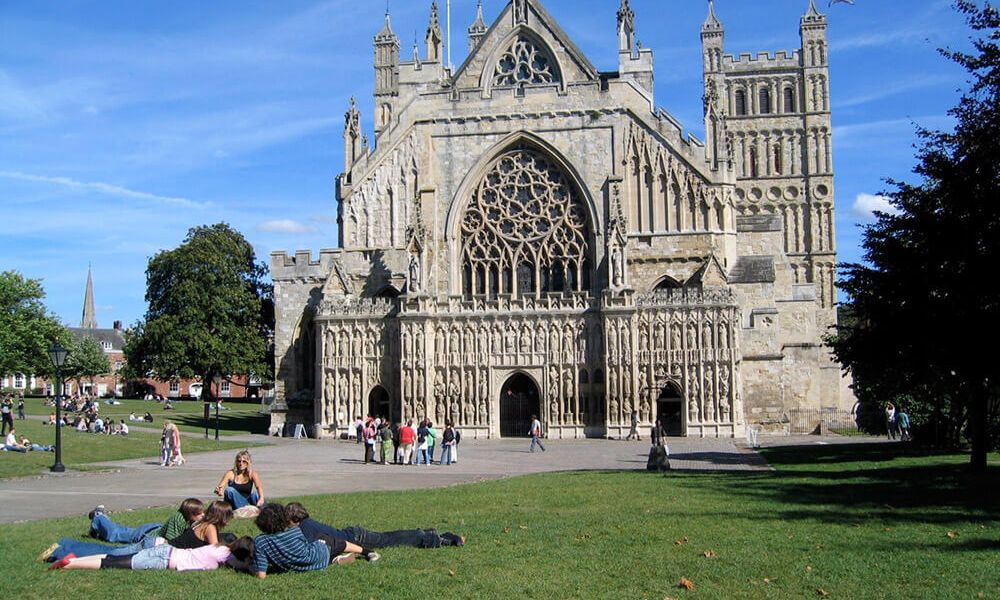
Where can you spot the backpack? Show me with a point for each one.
(458, 436)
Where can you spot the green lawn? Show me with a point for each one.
(852, 522)
(237, 417)
(82, 449)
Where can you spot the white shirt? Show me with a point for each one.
(11, 440)
(124, 429)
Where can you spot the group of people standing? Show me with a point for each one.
(897, 423)
(408, 443)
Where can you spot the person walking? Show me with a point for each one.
(890, 420)
(536, 434)
(6, 411)
(634, 431)
(20, 409)
(904, 425)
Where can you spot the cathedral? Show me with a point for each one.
(527, 235)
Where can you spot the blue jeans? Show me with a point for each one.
(446, 455)
(430, 452)
(238, 500)
(157, 558)
(536, 441)
(79, 548)
(103, 528)
(422, 456)
(14, 449)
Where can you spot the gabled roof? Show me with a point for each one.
(113, 337)
(541, 23)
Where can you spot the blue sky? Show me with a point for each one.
(123, 123)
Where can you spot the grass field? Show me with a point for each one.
(80, 450)
(237, 417)
(848, 522)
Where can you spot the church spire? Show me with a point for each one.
(478, 28)
(712, 23)
(626, 27)
(89, 320)
(434, 37)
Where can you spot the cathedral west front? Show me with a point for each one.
(526, 235)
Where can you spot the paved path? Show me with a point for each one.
(304, 467)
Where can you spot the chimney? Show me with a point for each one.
(118, 325)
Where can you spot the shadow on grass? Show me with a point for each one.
(242, 422)
(858, 482)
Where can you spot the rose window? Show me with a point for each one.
(525, 230)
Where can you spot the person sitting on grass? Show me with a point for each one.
(235, 552)
(11, 444)
(147, 417)
(369, 540)
(238, 484)
(146, 536)
(282, 547)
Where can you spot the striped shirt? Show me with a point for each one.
(289, 551)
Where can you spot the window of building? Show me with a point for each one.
(118, 365)
(18, 381)
(175, 387)
(225, 387)
(765, 101)
(789, 100)
(753, 162)
(525, 63)
(777, 160)
(741, 103)
(525, 222)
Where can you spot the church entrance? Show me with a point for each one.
(518, 401)
(670, 410)
(379, 404)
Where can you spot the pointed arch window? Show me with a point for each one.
(525, 62)
(525, 230)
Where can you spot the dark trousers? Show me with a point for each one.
(369, 452)
(415, 538)
(8, 419)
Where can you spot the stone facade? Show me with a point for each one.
(530, 235)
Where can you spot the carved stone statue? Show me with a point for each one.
(414, 283)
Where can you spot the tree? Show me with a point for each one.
(927, 302)
(27, 329)
(86, 359)
(210, 311)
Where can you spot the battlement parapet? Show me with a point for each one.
(747, 61)
(302, 264)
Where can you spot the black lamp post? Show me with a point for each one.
(58, 356)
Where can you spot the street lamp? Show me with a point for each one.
(58, 356)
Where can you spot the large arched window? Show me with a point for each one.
(525, 230)
(790, 100)
(765, 101)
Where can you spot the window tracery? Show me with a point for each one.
(525, 63)
(525, 230)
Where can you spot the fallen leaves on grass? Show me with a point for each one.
(809, 569)
(685, 583)
(770, 580)
(822, 592)
(681, 541)
(708, 553)
(522, 526)
(451, 573)
(952, 535)
(506, 529)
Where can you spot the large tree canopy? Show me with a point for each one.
(86, 359)
(208, 310)
(926, 305)
(27, 329)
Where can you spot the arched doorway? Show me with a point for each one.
(518, 401)
(670, 410)
(380, 405)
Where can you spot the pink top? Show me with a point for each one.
(206, 558)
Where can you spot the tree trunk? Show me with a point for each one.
(978, 428)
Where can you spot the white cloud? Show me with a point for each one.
(865, 206)
(285, 226)
(104, 188)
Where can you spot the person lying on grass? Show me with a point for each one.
(370, 540)
(197, 529)
(32, 447)
(235, 552)
(282, 547)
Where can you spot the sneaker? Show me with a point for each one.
(62, 563)
(45, 556)
(452, 539)
(343, 559)
(98, 510)
(371, 556)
